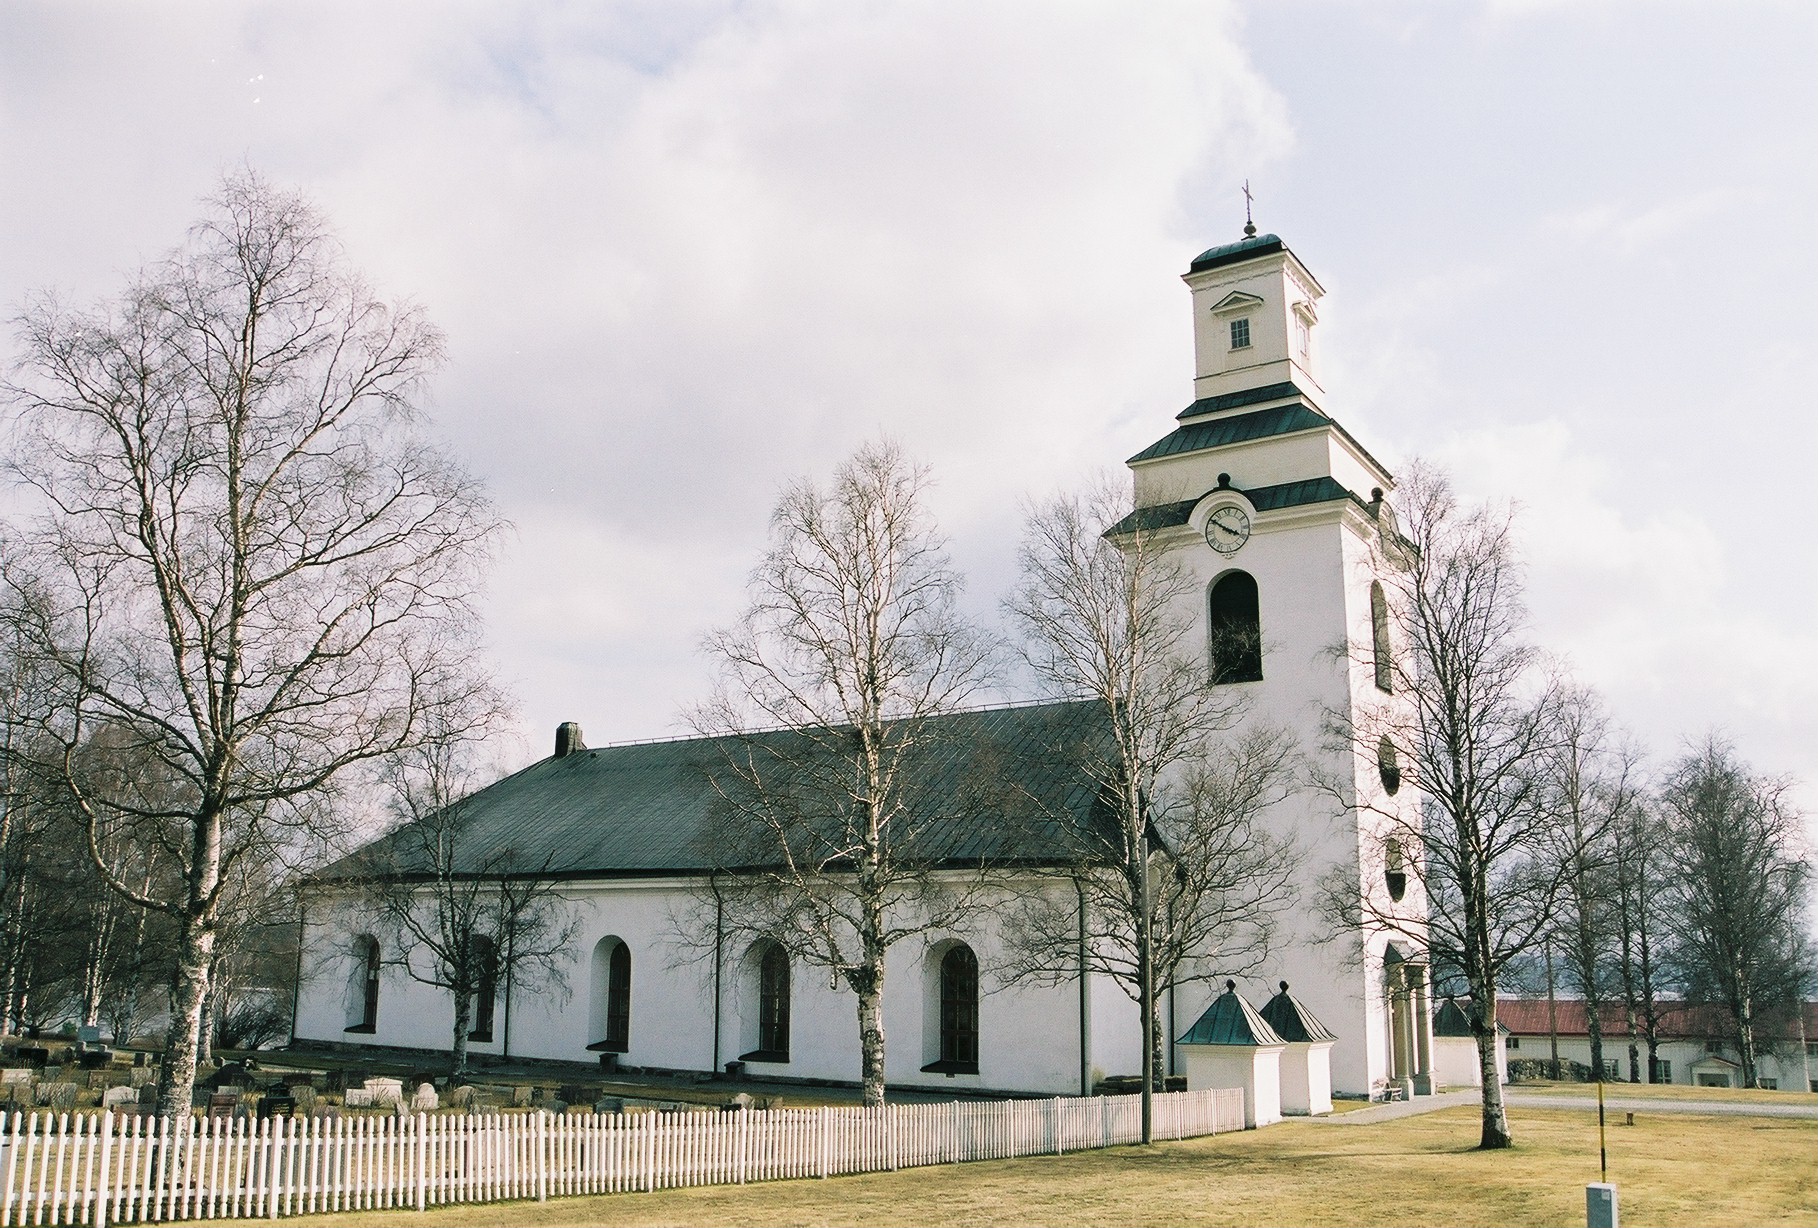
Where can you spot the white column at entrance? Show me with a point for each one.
(1423, 1033)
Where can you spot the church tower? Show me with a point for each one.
(1278, 512)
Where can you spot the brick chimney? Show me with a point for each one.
(568, 739)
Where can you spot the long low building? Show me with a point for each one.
(1697, 1044)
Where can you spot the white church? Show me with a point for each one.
(1278, 510)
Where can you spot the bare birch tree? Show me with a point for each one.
(1589, 786)
(249, 563)
(1476, 717)
(853, 642)
(1638, 856)
(1740, 889)
(474, 921)
(1107, 612)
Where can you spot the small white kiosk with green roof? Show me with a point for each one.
(1306, 1064)
(1231, 1046)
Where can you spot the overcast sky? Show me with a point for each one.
(686, 252)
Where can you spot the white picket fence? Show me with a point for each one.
(96, 1168)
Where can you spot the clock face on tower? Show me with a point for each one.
(1227, 529)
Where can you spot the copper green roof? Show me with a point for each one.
(1001, 786)
(1292, 1021)
(1263, 498)
(1230, 1021)
(1239, 428)
(1234, 253)
(1237, 400)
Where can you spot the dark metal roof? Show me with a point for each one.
(1292, 1021)
(1233, 253)
(1230, 1021)
(1237, 400)
(1000, 785)
(1450, 1020)
(1239, 428)
(1264, 499)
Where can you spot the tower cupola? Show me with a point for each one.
(1255, 310)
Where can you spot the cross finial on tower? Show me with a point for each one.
(1249, 224)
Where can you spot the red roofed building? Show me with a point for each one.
(1697, 1044)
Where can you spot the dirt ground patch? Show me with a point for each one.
(1671, 1170)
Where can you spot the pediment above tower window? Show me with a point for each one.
(1236, 303)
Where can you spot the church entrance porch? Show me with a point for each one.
(1410, 1024)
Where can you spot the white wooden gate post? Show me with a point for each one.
(649, 1150)
(540, 1140)
(107, 1147)
(274, 1165)
(421, 1150)
(744, 1141)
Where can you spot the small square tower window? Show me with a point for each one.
(1240, 334)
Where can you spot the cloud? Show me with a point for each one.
(687, 252)
(1642, 603)
(1632, 231)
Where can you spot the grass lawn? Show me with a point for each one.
(1671, 1169)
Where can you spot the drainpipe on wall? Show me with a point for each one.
(1173, 1031)
(719, 942)
(505, 1039)
(296, 982)
(1085, 999)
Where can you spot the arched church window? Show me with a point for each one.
(959, 1010)
(1388, 766)
(1379, 639)
(363, 986)
(485, 980)
(1395, 870)
(609, 1020)
(1234, 628)
(773, 1003)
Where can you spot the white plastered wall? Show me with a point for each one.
(1029, 1035)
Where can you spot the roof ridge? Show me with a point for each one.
(1004, 706)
